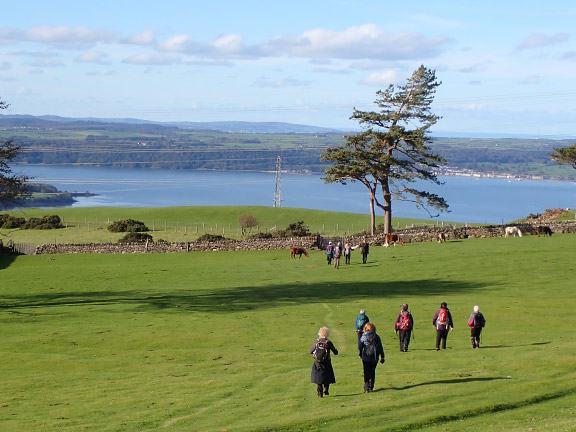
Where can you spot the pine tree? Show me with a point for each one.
(393, 150)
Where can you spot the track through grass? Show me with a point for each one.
(219, 341)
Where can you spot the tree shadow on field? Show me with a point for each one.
(6, 260)
(446, 381)
(240, 298)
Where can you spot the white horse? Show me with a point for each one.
(512, 231)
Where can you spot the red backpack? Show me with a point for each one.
(404, 323)
(442, 319)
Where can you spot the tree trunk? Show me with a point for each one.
(387, 207)
(372, 217)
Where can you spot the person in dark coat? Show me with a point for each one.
(322, 372)
(443, 323)
(365, 250)
(403, 327)
(369, 350)
(476, 322)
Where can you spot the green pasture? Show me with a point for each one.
(218, 341)
(86, 225)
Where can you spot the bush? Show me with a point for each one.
(45, 222)
(210, 238)
(10, 222)
(127, 225)
(136, 237)
(297, 229)
(247, 222)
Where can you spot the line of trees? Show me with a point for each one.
(12, 186)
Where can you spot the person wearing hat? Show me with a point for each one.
(329, 252)
(361, 320)
(403, 327)
(476, 323)
(443, 323)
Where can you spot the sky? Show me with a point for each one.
(507, 68)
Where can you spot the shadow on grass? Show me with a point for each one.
(446, 381)
(6, 260)
(240, 298)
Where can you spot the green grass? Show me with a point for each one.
(219, 341)
(86, 225)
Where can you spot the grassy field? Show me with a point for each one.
(219, 341)
(85, 225)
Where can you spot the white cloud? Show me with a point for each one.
(365, 42)
(362, 42)
(68, 36)
(539, 40)
(146, 37)
(180, 43)
(92, 57)
(4, 66)
(569, 55)
(229, 44)
(382, 79)
(152, 59)
(10, 35)
(280, 83)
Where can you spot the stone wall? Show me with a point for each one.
(409, 235)
(166, 247)
(420, 234)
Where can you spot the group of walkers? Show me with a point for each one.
(371, 350)
(334, 253)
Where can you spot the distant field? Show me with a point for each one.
(86, 225)
(170, 147)
(219, 341)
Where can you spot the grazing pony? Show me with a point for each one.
(299, 252)
(544, 230)
(512, 231)
(441, 237)
(393, 238)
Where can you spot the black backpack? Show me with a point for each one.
(478, 320)
(370, 342)
(321, 350)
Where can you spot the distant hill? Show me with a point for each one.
(248, 146)
(16, 120)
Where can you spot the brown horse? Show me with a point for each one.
(393, 238)
(544, 230)
(299, 252)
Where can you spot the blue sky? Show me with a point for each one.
(506, 67)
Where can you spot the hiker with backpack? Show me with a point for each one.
(322, 372)
(404, 326)
(476, 322)
(370, 349)
(337, 254)
(361, 320)
(443, 323)
(329, 253)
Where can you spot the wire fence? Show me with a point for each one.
(215, 228)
